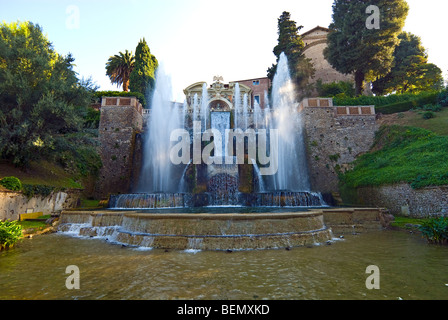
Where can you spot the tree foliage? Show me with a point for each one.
(411, 71)
(41, 98)
(142, 78)
(291, 43)
(119, 68)
(355, 49)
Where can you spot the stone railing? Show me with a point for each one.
(355, 111)
(122, 102)
(339, 110)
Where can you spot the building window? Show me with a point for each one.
(257, 98)
(256, 82)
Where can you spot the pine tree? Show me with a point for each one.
(411, 71)
(365, 52)
(142, 78)
(291, 43)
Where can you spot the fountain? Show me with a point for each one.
(156, 175)
(292, 171)
(233, 175)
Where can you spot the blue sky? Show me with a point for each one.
(195, 39)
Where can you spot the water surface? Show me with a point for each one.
(409, 269)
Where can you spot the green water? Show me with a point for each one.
(409, 269)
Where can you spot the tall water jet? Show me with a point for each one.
(237, 104)
(184, 114)
(261, 187)
(195, 107)
(292, 169)
(267, 109)
(245, 111)
(157, 168)
(258, 115)
(204, 105)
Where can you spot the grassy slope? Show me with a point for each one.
(438, 125)
(402, 154)
(41, 173)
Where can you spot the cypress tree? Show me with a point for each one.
(291, 43)
(142, 78)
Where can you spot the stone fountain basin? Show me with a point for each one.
(202, 231)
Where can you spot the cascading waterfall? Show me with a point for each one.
(292, 171)
(221, 122)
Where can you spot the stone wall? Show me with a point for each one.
(403, 199)
(13, 203)
(121, 122)
(335, 137)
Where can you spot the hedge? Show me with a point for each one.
(404, 106)
(380, 101)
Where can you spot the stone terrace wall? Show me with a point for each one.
(121, 121)
(402, 199)
(13, 203)
(335, 137)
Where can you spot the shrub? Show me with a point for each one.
(436, 230)
(403, 106)
(443, 98)
(341, 89)
(432, 107)
(11, 183)
(10, 233)
(428, 115)
(30, 190)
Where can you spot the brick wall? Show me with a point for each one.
(259, 86)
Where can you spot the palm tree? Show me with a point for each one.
(119, 68)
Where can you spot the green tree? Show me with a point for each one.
(291, 43)
(119, 68)
(143, 78)
(411, 71)
(353, 48)
(41, 98)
